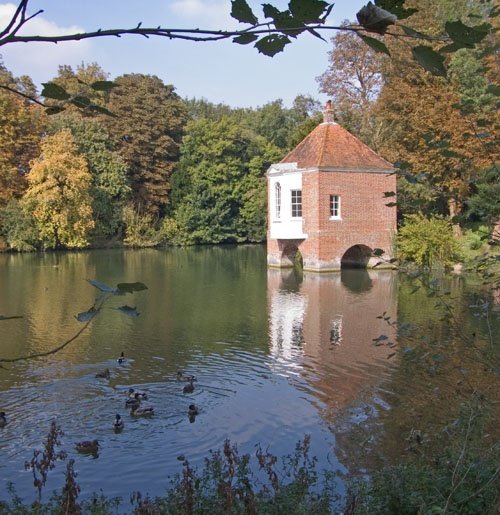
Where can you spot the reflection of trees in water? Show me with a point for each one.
(445, 364)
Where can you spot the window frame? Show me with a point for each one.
(296, 206)
(335, 213)
(277, 201)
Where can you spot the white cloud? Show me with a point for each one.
(40, 60)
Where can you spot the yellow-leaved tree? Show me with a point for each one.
(58, 194)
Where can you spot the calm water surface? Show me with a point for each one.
(277, 355)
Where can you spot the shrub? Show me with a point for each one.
(17, 227)
(428, 241)
(140, 229)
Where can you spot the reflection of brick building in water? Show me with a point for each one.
(327, 200)
(325, 326)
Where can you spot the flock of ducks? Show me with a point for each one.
(133, 403)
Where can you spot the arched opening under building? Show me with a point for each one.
(291, 257)
(356, 256)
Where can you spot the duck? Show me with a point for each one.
(105, 374)
(121, 359)
(87, 446)
(3, 419)
(132, 394)
(118, 424)
(136, 411)
(132, 402)
(185, 377)
(189, 388)
(193, 410)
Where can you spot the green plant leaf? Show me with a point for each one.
(103, 85)
(377, 252)
(102, 287)
(51, 90)
(389, 194)
(374, 19)
(82, 102)
(100, 109)
(54, 110)
(272, 44)
(412, 32)
(241, 11)
(429, 60)
(465, 36)
(396, 7)
(283, 20)
(307, 11)
(131, 287)
(244, 39)
(129, 311)
(493, 89)
(375, 44)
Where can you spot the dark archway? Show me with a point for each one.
(291, 257)
(356, 256)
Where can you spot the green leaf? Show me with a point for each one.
(54, 110)
(103, 85)
(429, 60)
(307, 11)
(391, 204)
(272, 44)
(131, 287)
(101, 286)
(389, 194)
(85, 316)
(51, 90)
(241, 11)
(396, 7)
(464, 35)
(377, 252)
(102, 110)
(375, 19)
(129, 311)
(375, 44)
(244, 39)
(81, 102)
(283, 20)
(412, 32)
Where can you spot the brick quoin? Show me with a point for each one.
(331, 161)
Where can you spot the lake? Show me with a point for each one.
(277, 354)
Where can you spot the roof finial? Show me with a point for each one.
(328, 115)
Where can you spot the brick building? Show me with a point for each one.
(326, 200)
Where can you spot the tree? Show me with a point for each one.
(426, 130)
(84, 87)
(220, 191)
(21, 126)
(353, 81)
(147, 129)
(110, 188)
(58, 193)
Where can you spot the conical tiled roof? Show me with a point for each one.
(331, 146)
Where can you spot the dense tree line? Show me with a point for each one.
(158, 169)
(147, 167)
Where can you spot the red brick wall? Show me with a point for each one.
(365, 218)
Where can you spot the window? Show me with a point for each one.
(296, 203)
(334, 206)
(277, 199)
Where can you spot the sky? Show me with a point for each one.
(221, 72)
